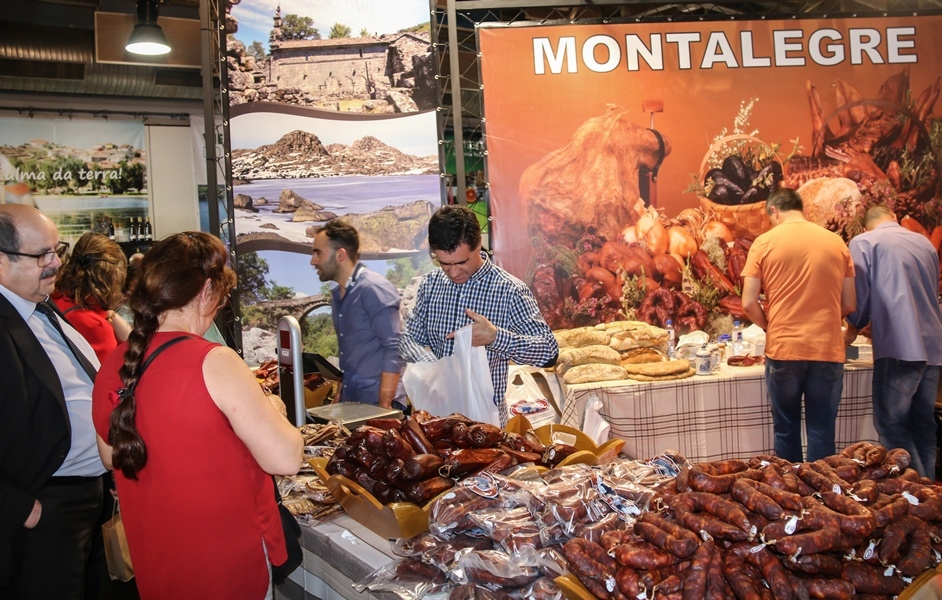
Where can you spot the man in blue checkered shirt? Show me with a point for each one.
(469, 288)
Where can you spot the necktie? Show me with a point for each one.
(51, 313)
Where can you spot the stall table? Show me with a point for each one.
(715, 417)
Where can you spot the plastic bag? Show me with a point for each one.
(495, 567)
(460, 383)
(409, 579)
(512, 529)
(594, 425)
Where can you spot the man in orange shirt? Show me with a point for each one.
(807, 275)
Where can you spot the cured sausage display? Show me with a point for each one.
(853, 525)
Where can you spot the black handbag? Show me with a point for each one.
(292, 542)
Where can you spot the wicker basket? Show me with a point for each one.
(742, 219)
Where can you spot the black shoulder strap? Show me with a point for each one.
(70, 309)
(156, 352)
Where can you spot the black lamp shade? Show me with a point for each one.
(147, 37)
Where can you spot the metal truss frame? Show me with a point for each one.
(218, 148)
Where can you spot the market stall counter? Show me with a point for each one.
(720, 416)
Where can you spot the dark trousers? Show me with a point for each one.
(52, 556)
(820, 384)
(904, 395)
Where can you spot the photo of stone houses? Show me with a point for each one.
(380, 73)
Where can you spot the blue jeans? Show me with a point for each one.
(904, 395)
(821, 384)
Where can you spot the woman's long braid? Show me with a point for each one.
(171, 275)
(129, 451)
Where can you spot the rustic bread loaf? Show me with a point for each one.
(598, 354)
(645, 336)
(594, 372)
(660, 369)
(641, 355)
(580, 337)
(688, 373)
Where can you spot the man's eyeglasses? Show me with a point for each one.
(44, 259)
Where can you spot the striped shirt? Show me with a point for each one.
(522, 334)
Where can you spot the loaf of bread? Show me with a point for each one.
(615, 326)
(594, 372)
(597, 354)
(660, 369)
(641, 355)
(580, 337)
(644, 336)
(638, 377)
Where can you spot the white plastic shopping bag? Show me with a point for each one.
(594, 425)
(459, 383)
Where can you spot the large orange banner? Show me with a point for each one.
(843, 107)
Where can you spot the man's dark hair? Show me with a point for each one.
(9, 236)
(342, 235)
(784, 199)
(452, 226)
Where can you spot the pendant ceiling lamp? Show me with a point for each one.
(147, 38)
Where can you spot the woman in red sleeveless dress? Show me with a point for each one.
(193, 440)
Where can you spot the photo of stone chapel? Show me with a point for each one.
(382, 73)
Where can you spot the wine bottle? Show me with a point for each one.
(148, 231)
(110, 229)
(132, 231)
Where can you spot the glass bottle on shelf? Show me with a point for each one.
(110, 229)
(148, 231)
(132, 230)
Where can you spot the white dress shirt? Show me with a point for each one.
(82, 459)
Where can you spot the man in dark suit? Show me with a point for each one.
(50, 471)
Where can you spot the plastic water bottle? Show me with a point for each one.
(671, 339)
(739, 348)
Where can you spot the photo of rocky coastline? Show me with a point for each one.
(284, 190)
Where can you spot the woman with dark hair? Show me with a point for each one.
(90, 287)
(193, 439)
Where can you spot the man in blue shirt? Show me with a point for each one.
(470, 289)
(897, 293)
(366, 318)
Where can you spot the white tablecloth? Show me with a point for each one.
(720, 416)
